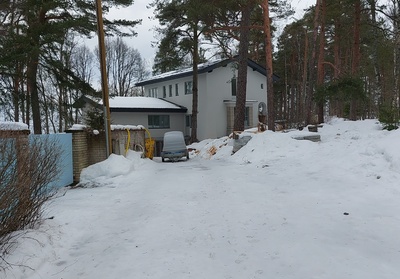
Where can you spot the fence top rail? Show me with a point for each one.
(13, 126)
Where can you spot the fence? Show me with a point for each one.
(62, 141)
(82, 148)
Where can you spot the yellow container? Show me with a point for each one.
(150, 148)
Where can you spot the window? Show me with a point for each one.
(170, 90)
(233, 86)
(189, 120)
(153, 92)
(158, 121)
(176, 90)
(164, 92)
(262, 85)
(188, 87)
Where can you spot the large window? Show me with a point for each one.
(188, 87)
(158, 121)
(246, 116)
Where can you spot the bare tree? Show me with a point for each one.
(125, 67)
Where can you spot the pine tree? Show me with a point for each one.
(36, 27)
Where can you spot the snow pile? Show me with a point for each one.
(114, 166)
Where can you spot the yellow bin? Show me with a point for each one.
(149, 146)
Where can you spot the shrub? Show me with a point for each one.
(389, 117)
(26, 169)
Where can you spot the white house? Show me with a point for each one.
(216, 93)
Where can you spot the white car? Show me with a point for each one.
(174, 146)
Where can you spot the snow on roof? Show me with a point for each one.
(13, 126)
(140, 102)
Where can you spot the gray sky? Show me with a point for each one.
(145, 31)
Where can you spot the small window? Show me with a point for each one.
(189, 121)
(176, 90)
(158, 121)
(188, 87)
(164, 89)
(153, 92)
(262, 85)
(247, 117)
(233, 86)
(170, 90)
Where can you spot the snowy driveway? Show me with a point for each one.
(311, 210)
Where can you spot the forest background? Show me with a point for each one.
(338, 58)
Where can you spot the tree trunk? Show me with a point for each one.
(303, 91)
(269, 69)
(336, 106)
(195, 89)
(311, 67)
(321, 59)
(15, 96)
(396, 24)
(31, 74)
(356, 54)
(240, 109)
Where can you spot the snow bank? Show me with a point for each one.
(102, 173)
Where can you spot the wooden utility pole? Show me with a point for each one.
(104, 83)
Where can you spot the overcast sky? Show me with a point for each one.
(143, 41)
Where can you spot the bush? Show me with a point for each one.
(26, 169)
(389, 117)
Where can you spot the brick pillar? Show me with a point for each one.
(79, 152)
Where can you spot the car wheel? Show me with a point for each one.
(187, 156)
(163, 159)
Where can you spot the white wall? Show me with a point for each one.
(214, 89)
(177, 121)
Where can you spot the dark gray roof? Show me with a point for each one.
(202, 68)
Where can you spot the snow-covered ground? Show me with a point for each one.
(278, 208)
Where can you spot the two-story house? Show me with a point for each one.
(216, 95)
